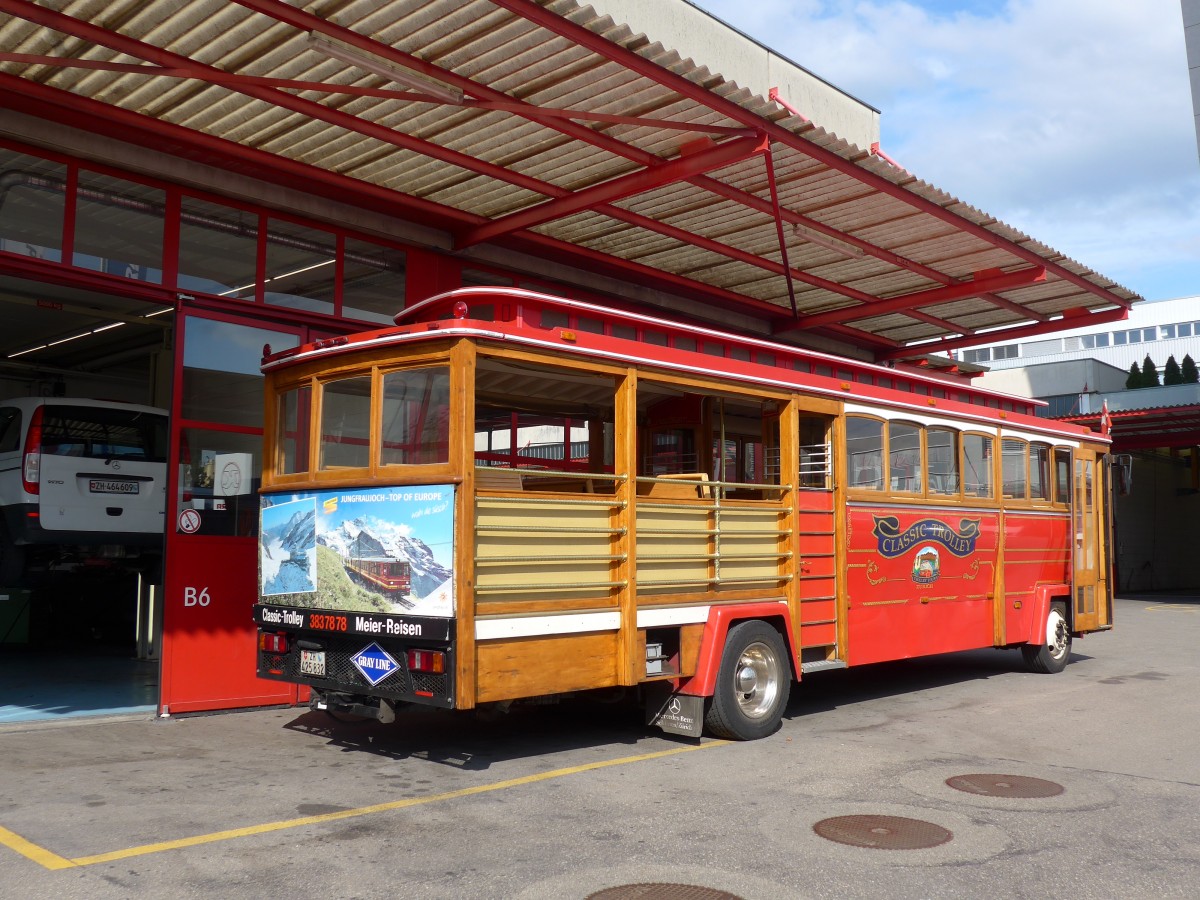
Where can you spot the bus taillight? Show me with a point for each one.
(432, 661)
(270, 642)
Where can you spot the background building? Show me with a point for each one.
(1081, 373)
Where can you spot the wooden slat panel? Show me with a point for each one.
(535, 666)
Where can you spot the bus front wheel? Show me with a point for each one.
(1052, 653)
(753, 683)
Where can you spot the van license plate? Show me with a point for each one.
(96, 486)
(312, 662)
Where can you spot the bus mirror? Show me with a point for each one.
(1122, 465)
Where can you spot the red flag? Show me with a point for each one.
(1105, 419)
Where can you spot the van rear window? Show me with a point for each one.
(100, 433)
(10, 429)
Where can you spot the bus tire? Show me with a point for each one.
(753, 683)
(1051, 655)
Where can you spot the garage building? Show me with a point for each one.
(183, 184)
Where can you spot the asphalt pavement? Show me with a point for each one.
(955, 776)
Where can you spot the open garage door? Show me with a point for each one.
(84, 379)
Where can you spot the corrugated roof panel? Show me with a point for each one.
(518, 60)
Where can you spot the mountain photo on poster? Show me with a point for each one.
(383, 550)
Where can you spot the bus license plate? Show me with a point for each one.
(312, 662)
(96, 486)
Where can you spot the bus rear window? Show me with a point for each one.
(346, 423)
(416, 417)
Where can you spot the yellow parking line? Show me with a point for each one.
(1176, 607)
(50, 860)
(39, 855)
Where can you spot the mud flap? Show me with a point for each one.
(673, 712)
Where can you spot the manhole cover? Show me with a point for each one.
(1018, 786)
(662, 892)
(883, 832)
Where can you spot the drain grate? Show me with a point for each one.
(1015, 786)
(662, 892)
(883, 832)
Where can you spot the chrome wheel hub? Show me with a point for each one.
(757, 680)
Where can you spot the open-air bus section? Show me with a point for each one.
(706, 516)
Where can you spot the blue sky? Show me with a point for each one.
(1070, 120)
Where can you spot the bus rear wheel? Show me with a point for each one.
(1051, 655)
(753, 683)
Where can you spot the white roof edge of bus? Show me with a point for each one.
(702, 331)
(465, 331)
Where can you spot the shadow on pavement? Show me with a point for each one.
(465, 740)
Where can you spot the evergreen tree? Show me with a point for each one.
(1149, 373)
(1171, 373)
(1135, 378)
(1188, 370)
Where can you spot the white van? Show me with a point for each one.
(80, 480)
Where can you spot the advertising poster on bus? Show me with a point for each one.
(380, 550)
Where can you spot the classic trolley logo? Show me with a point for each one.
(375, 663)
(926, 567)
(893, 542)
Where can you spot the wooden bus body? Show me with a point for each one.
(588, 499)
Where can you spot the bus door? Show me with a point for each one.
(817, 541)
(1089, 553)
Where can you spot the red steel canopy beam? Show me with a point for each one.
(527, 9)
(103, 37)
(1068, 320)
(958, 291)
(122, 44)
(70, 25)
(619, 188)
(32, 98)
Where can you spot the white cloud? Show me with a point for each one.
(1068, 119)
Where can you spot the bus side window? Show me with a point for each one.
(864, 453)
(1039, 471)
(1062, 476)
(295, 408)
(814, 452)
(942, 448)
(904, 457)
(1014, 456)
(977, 465)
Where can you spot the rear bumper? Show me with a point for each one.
(342, 636)
(25, 529)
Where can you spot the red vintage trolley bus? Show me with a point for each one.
(586, 498)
